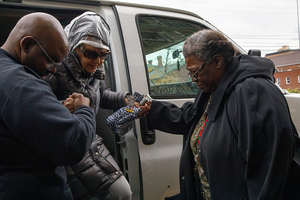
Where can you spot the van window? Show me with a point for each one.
(162, 41)
(10, 14)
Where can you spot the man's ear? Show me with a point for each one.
(26, 42)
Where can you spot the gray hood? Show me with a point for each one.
(89, 28)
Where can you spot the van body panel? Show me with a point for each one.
(293, 100)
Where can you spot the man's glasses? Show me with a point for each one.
(54, 64)
(92, 54)
(194, 76)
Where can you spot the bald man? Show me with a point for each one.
(37, 133)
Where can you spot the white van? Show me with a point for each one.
(146, 44)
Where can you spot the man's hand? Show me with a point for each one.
(79, 100)
(69, 104)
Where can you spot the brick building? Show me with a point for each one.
(287, 63)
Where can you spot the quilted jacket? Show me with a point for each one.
(97, 164)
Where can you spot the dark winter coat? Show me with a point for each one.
(97, 170)
(37, 135)
(249, 148)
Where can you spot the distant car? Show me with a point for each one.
(293, 100)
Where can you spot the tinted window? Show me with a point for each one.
(162, 42)
(9, 15)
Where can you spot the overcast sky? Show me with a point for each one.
(254, 24)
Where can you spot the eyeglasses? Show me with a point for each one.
(92, 54)
(194, 76)
(54, 64)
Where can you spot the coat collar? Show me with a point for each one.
(221, 90)
(4, 55)
(73, 65)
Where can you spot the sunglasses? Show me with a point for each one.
(194, 76)
(92, 54)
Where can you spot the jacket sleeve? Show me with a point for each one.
(110, 99)
(168, 117)
(42, 124)
(260, 119)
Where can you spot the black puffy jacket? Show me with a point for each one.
(70, 77)
(97, 164)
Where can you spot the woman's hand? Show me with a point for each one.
(145, 109)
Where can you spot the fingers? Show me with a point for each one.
(71, 109)
(69, 101)
(145, 109)
(76, 95)
(137, 104)
(69, 104)
(77, 100)
(80, 100)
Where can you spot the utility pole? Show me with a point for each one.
(298, 24)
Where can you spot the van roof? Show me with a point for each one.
(113, 2)
(140, 5)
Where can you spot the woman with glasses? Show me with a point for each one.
(239, 139)
(97, 175)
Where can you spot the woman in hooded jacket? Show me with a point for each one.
(239, 141)
(97, 175)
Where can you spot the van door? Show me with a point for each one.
(153, 41)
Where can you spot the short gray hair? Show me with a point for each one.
(205, 44)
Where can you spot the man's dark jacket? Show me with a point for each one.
(38, 135)
(249, 148)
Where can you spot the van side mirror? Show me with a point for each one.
(254, 52)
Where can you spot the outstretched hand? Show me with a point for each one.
(145, 109)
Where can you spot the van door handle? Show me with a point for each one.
(148, 136)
